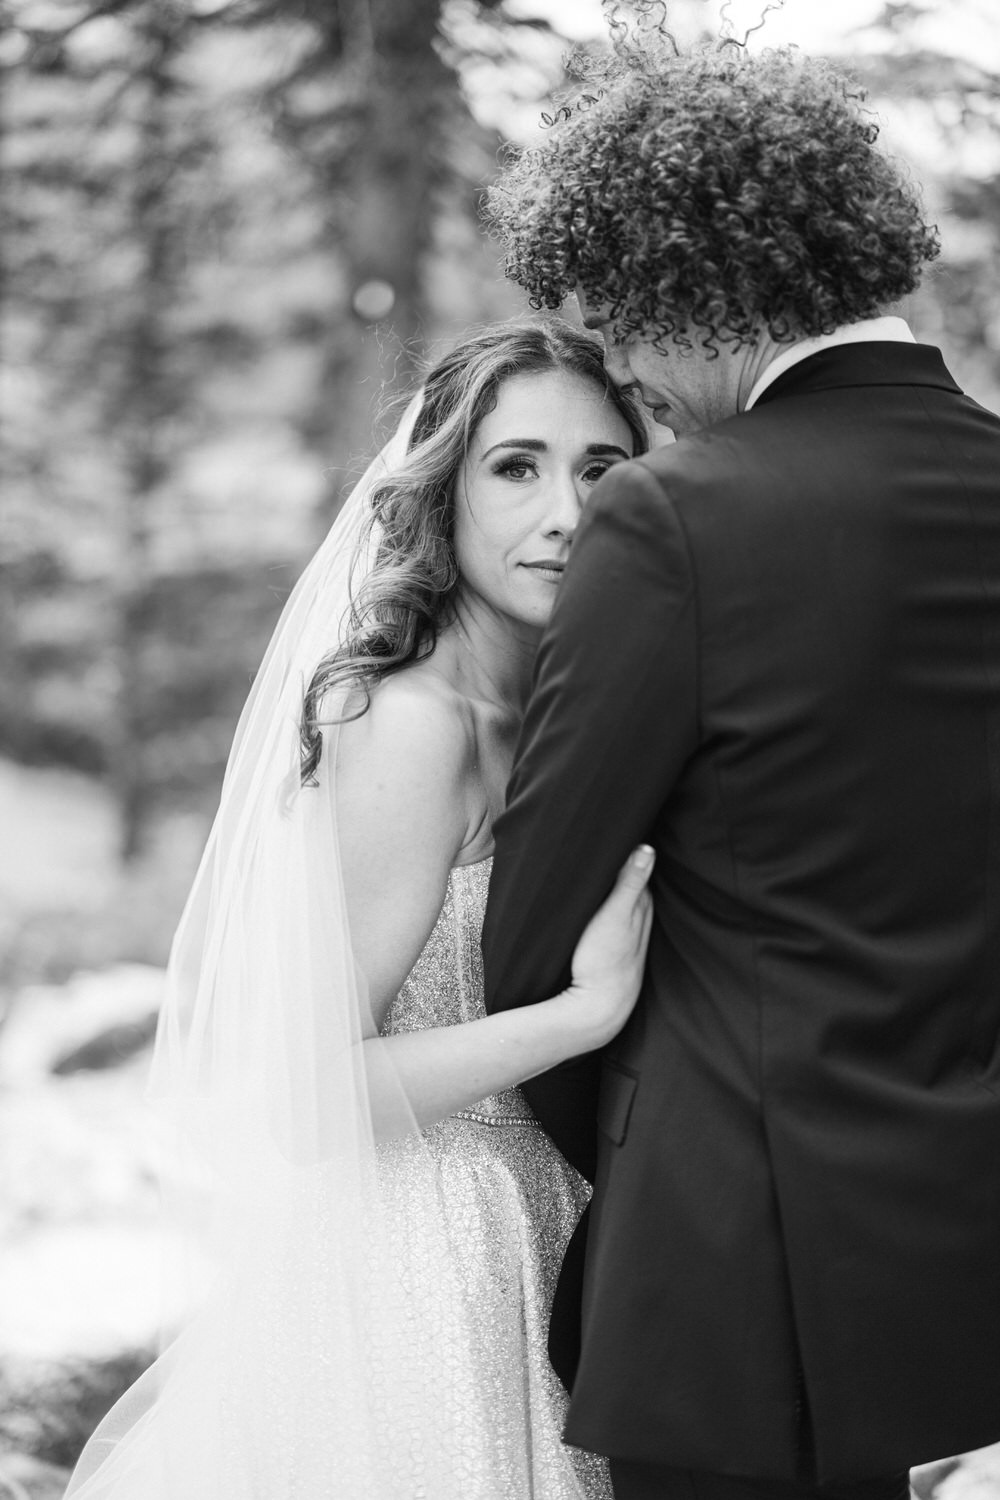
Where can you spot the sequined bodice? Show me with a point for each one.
(445, 985)
(488, 1184)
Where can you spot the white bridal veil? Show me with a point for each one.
(299, 1372)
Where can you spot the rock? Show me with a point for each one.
(48, 1410)
(114, 1045)
(48, 1024)
(925, 1480)
(975, 1477)
(23, 1477)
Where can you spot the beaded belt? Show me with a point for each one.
(520, 1122)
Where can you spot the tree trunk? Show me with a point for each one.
(146, 400)
(391, 177)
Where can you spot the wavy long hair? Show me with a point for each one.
(408, 594)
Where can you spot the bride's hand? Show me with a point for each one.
(609, 958)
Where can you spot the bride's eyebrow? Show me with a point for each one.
(537, 445)
(533, 445)
(603, 450)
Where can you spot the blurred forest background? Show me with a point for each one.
(232, 229)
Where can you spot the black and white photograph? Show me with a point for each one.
(500, 750)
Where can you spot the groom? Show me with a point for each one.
(776, 656)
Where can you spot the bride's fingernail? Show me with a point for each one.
(644, 856)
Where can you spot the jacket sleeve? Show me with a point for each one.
(611, 720)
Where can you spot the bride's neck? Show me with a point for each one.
(492, 656)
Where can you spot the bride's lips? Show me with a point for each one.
(549, 568)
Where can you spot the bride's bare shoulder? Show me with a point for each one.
(417, 728)
(406, 787)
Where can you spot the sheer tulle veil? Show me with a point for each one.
(297, 1371)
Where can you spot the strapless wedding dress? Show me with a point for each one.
(402, 1357)
(507, 1201)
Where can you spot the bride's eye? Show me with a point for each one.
(595, 471)
(517, 467)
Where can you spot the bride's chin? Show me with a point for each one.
(529, 624)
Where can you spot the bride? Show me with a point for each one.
(373, 1219)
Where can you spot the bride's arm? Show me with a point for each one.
(450, 1067)
(405, 812)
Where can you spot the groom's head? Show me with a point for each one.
(710, 203)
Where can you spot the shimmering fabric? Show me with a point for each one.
(494, 1184)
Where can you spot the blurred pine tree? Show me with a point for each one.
(230, 230)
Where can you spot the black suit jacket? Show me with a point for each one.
(776, 656)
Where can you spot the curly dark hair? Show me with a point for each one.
(712, 189)
(408, 595)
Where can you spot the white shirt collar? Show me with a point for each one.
(869, 330)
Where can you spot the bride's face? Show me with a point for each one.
(531, 466)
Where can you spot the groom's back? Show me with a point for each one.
(845, 792)
(800, 1122)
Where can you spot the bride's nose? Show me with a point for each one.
(564, 509)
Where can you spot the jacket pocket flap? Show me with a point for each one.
(618, 1086)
